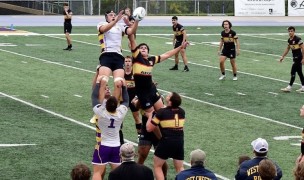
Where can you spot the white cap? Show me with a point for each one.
(127, 152)
(260, 145)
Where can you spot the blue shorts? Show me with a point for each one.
(104, 154)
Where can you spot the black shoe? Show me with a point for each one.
(175, 67)
(186, 69)
(68, 48)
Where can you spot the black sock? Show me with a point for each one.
(234, 74)
(223, 73)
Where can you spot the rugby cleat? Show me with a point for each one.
(222, 77)
(287, 89)
(234, 78)
(301, 90)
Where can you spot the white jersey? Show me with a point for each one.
(109, 124)
(110, 41)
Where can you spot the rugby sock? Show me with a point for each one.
(234, 74)
(223, 73)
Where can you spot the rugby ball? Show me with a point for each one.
(139, 13)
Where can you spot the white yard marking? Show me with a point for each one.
(7, 44)
(45, 96)
(24, 62)
(203, 60)
(209, 94)
(286, 137)
(14, 145)
(255, 60)
(34, 45)
(79, 123)
(239, 93)
(78, 62)
(76, 95)
(273, 93)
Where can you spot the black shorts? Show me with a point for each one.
(112, 60)
(229, 53)
(147, 138)
(67, 27)
(177, 44)
(147, 97)
(132, 107)
(172, 147)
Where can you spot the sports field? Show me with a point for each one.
(45, 99)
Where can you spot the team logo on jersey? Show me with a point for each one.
(151, 63)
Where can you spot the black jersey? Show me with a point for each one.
(295, 46)
(67, 20)
(171, 121)
(178, 32)
(142, 69)
(229, 39)
(130, 85)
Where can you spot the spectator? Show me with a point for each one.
(197, 170)
(80, 172)
(129, 169)
(267, 169)
(248, 170)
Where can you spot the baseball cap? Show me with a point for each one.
(127, 151)
(260, 145)
(198, 155)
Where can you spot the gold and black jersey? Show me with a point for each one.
(142, 69)
(295, 46)
(178, 32)
(229, 39)
(130, 84)
(171, 121)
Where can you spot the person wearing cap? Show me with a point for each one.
(248, 170)
(110, 117)
(179, 38)
(110, 38)
(129, 169)
(197, 170)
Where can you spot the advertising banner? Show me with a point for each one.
(295, 7)
(259, 7)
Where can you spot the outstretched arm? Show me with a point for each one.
(172, 52)
(99, 90)
(133, 28)
(132, 41)
(107, 27)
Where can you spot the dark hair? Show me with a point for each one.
(267, 170)
(80, 172)
(65, 4)
(243, 158)
(175, 99)
(291, 28)
(144, 44)
(230, 25)
(175, 17)
(260, 154)
(111, 104)
(106, 14)
(128, 57)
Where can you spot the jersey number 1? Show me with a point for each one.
(112, 123)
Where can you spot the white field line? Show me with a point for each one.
(273, 93)
(242, 94)
(143, 34)
(45, 96)
(240, 72)
(14, 145)
(216, 105)
(76, 95)
(78, 122)
(209, 94)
